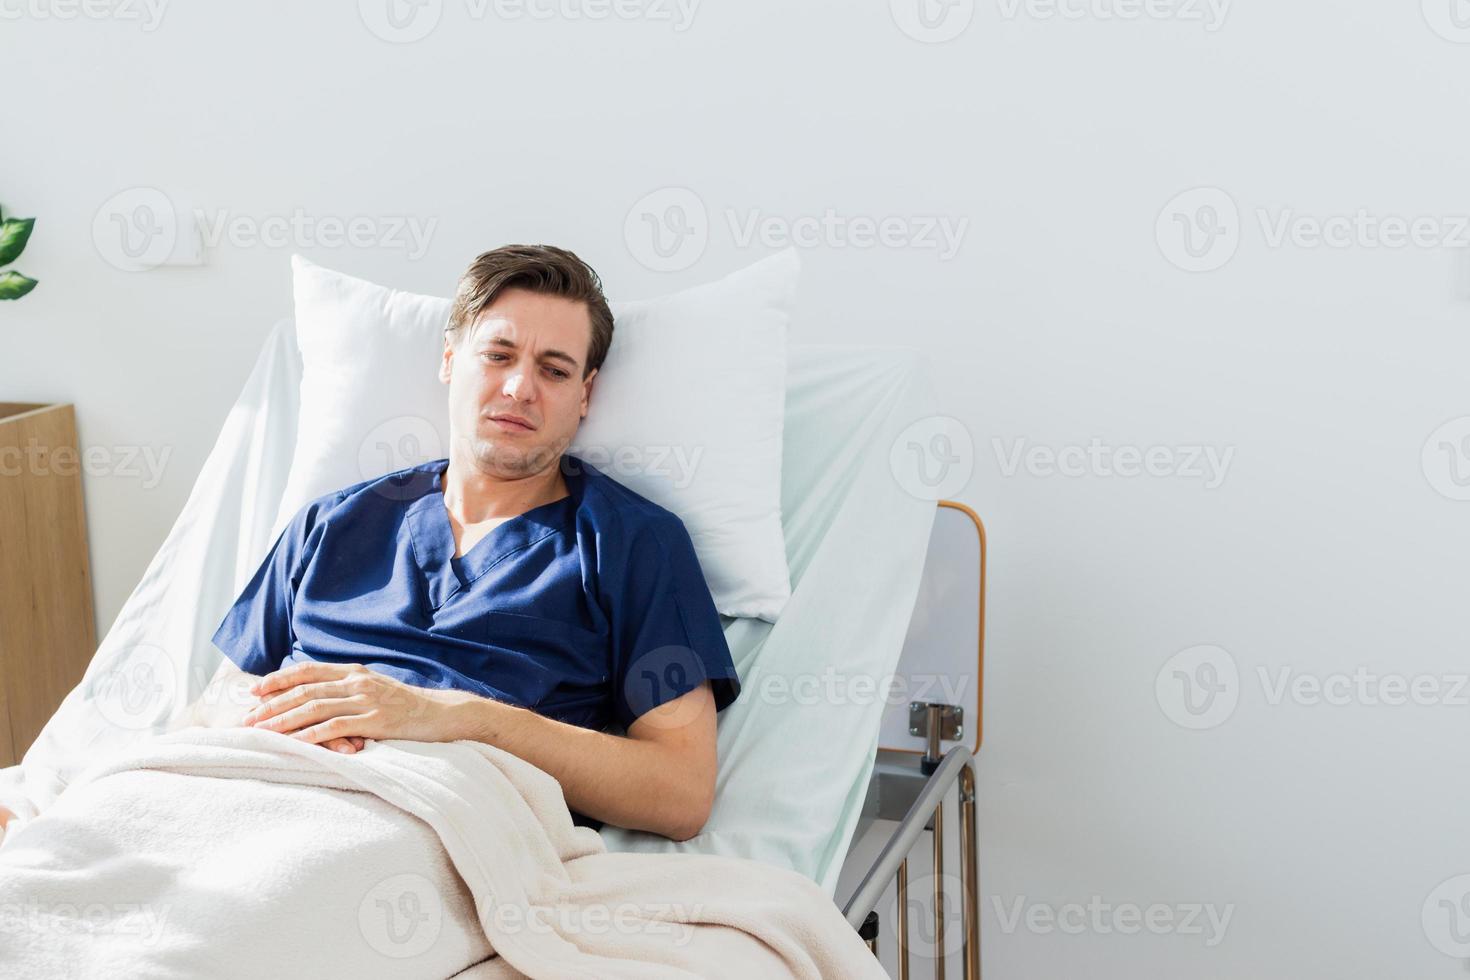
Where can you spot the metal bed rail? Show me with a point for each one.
(911, 788)
(956, 771)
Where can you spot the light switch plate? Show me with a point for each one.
(1460, 264)
(188, 242)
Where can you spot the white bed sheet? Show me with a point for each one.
(794, 761)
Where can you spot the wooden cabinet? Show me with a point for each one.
(47, 630)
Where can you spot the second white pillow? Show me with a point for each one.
(687, 410)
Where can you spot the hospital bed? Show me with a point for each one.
(799, 778)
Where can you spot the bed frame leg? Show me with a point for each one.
(939, 891)
(969, 871)
(903, 920)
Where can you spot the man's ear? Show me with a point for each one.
(587, 390)
(447, 362)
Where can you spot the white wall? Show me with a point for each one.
(1060, 319)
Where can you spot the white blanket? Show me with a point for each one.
(238, 852)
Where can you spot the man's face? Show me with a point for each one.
(523, 357)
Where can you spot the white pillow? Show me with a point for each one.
(687, 410)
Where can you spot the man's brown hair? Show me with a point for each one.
(542, 269)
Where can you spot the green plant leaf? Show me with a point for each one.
(14, 233)
(13, 285)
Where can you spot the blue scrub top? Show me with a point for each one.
(591, 609)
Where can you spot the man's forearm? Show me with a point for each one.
(638, 783)
(621, 781)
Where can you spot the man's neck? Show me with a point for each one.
(473, 496)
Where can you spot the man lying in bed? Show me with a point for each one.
(510, 594)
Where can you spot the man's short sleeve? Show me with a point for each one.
(667, 637)
(256, 633)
